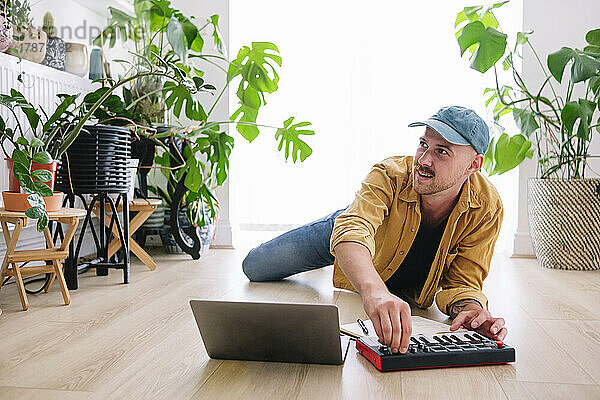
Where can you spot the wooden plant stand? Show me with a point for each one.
(144, 208)
(12, 258)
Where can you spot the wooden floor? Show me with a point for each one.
(139, 341)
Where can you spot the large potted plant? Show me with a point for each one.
(556, 125)
(163, 34)
(48, 137)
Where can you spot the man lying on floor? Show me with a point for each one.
(417, 224)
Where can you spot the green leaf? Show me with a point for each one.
(27, 183)
(593, 37)
(22, 141)
(177, 39)
(35, 142)
(60, 110)
(42, 221)
(492, 44)
(510, 152)
(28, 109)
(194, 178)
(176, 96)
(217, 147)
(525, 121)
(42, 157)
(489, 19)
(42, 189)
(522, 38)
(500, 4)
(290, 134)
(217, 36)
(593, 50)
(20, 157)
(460, 17)
(488, 158)
(558, 60)
(247, 113)
(36, 201)
(34, 212)
(581, 110)
(256, 65)
(584, 67)
(42, 175)
(20, 170)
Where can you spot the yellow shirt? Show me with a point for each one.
(385, 217)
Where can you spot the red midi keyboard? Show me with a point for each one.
(437, 351)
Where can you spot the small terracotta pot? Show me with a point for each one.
(13, 182)
(18, 201)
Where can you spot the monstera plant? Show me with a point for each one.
(557, 121)
(161, 34)
(557, 127)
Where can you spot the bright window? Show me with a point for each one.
(360, 72)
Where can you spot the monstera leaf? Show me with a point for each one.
(492, 44)
(508, 152)
(581, 110)
(257, 67)
(178, 95)
(290, 134)
(250, 103)
(217, 147)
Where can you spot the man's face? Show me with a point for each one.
(440, 165)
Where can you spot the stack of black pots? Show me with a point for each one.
(96, 162)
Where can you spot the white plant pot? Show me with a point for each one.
(77, 60)
(564, 222)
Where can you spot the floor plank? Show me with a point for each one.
(16, 393)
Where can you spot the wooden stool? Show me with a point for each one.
(144, 208)
(69, 216)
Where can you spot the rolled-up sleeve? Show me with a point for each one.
(471, 264)
(359, 222)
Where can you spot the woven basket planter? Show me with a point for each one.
(564, 222)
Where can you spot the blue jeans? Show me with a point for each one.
(299, 250)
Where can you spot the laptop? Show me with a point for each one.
(260, 331)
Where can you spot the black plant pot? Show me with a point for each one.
(96, 162)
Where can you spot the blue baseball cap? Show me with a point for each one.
(460, 126)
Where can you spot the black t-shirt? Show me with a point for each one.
(413, 271)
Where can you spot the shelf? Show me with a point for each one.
(38, 70)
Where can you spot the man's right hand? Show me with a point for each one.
(391, 318)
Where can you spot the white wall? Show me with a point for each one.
(555, 23)
(202, 10)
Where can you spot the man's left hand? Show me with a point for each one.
(473, 316)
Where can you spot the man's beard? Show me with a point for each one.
(434, 185)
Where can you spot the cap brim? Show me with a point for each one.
(445, 131)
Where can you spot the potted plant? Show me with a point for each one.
(28, 43)
(32, 162)
(167, 34)
(55, 47)
(48, 138)
(556, 125)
